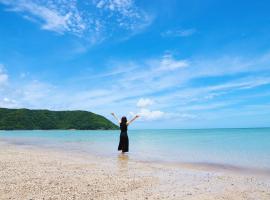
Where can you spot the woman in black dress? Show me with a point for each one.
(124, 143)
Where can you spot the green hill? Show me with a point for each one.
(26, 119)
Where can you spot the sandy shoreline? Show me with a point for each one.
(30, 173)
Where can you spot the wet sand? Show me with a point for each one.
(31, 173)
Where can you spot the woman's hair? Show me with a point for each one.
(124, 120)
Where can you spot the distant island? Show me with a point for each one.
(27, 119)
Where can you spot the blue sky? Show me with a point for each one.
(178, 64)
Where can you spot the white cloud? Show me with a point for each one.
(144, 102)
(7, 103)
(124, 7)
(147, 114)
(128, 15)
(94, 21)
(179, 33)
(55, 16)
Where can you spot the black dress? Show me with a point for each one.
(123, 143)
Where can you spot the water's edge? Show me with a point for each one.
(239, 150)
(201, 166)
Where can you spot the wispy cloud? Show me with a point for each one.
(144, 102)
(178, 33)
(58, 16)
(7, 103)
(168, 63)
(95, 21)
(155, 74)
(143, 88)
(3, 75)
(129, 15)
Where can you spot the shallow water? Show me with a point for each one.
(237, 147)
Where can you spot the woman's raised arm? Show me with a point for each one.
(116, 117)
(130, 121)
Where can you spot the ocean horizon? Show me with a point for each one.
(238, 147)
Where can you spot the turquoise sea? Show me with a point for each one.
(249, 147)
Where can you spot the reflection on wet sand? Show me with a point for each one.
(122, 162)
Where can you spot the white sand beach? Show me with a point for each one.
(30, 173)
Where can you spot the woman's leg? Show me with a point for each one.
(125, 143)
(121, 142)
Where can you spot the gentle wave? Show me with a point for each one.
(246, 148)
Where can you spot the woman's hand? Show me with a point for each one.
(112, 113)
(137, 116)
